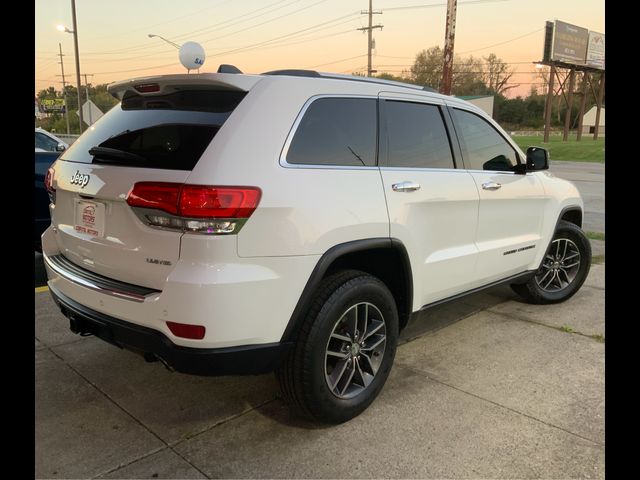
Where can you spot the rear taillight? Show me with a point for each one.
(48, 181)
(194, 208)
(218, 202)
(160, 196)
(48, 185)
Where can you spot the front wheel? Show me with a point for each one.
(344, 350)
(564, 268)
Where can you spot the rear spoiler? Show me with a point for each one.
(164, 84)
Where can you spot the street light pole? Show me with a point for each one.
(173, 44)
(75, 44)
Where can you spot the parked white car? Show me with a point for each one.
(48, 142)
(296, 221)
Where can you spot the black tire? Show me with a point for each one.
(302, 377)
(533, 291)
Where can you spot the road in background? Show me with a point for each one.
(589, 178)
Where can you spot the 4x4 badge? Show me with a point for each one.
(80, 179)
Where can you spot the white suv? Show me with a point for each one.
(296, 221)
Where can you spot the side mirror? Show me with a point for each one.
(60, 147)
(537, 159)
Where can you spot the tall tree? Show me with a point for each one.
(497, 74)
(427, 68)
(467, 76)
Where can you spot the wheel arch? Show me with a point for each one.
(384, 258)
(571, 214)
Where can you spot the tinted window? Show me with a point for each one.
(45, 143)
(416, 136)
(336, 131)
(483, 147)
(163, 131)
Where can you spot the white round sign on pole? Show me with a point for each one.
(191, 55)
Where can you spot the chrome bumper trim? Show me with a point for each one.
(69, 271)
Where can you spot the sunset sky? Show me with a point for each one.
(257, 36)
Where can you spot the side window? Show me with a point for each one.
(416, 136)
(45, 143)
(336, 131)
(483, 147)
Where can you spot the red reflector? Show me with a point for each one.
(218, 202)
(147, 87)
(195, 332)
(48, 180)
(158, 195)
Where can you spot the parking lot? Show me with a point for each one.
(486, 386)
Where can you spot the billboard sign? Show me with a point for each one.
(569, 43)
(50, 105)
(595, 50)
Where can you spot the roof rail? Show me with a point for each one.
(293, 72)
(352, 78)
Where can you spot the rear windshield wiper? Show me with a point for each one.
(115, 155)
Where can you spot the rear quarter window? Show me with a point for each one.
(337, 132)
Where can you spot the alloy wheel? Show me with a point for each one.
(355, 350)
(560, 266)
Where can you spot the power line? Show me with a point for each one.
(431, 5)
(162, 23)
(265, 47)
(337, 61)
(251, 46)
(506, 41)
(145, 45)
(265, 22)
(243, 19)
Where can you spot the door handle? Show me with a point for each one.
(405, 187)
(491, 186)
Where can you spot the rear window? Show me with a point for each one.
(336, 131)
(163, 131)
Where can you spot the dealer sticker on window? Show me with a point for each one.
(90, 218)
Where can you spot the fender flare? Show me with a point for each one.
(328, 258)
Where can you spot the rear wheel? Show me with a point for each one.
(344, 350)
(564, 268)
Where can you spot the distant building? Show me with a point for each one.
(589, 122)
(485, 102)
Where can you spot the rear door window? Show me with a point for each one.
(163, 131)
(336, 131)
(416, 136)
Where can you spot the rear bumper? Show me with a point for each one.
(242, 360)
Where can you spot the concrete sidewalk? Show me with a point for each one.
(483, 387)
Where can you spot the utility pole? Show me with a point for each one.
(75, 43)
(449, 37)
(548, 104)
(369, 29)
(86, 86)
(64, 90)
